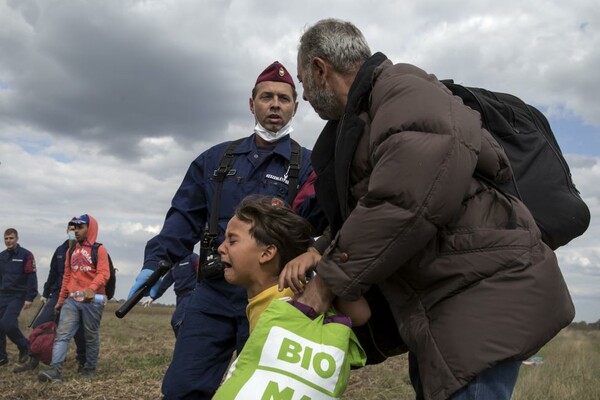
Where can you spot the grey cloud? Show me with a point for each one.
(104, 80)
(583, 162)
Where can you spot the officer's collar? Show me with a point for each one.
(248, 145)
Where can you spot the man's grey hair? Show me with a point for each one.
(339, 42)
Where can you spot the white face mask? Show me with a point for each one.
(273, 136)
(71, 235)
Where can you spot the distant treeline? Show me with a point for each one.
(585, 326)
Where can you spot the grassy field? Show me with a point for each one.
(136, 351)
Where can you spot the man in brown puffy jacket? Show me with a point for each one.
(468, 284)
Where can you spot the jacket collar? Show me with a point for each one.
(337, 143)
(358, 95)
(14, 250)
(282, 146)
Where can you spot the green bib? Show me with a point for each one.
(289, 356)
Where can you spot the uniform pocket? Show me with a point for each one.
(275, 187)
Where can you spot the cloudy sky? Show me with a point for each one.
(103, 104)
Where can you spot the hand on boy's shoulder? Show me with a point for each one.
(317, 295)
(295, 271)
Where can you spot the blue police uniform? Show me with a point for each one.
(51, 292)
(215, 321)
(183, 277)
(53, 284)
(18, 283)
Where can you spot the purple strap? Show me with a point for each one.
(312, 314)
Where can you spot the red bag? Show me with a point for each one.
(41, 341)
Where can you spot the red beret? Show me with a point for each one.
(276, 73)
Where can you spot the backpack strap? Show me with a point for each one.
(293, 171)
(210, 234)
(220, 174)
(95, 254)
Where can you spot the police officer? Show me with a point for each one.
(183, 278)
(215, 323)
(18, 289)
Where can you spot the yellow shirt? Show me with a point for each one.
(260, 302)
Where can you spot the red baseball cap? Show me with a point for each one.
(276, 73)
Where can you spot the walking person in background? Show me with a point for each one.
(215, 324)
(81, 300)
(468, 282)
(18, 289)
(183, 276)
(50, 297)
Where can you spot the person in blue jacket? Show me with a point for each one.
(18, 289)
(49, 299)
(184, 277)
(215, 323)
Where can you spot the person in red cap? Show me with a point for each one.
(81, 299)
(273, 124)
(267, 162)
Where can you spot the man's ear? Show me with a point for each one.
(321, 69)
(268, 254)
(251, 104)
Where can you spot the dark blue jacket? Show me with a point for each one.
(252, 172)
(18, 273)
(57, 268)
(183, 275)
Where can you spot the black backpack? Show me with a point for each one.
(541, 176)
(112, 281)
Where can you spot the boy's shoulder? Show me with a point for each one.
(273, 293)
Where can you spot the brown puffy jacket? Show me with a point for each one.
(467, 288)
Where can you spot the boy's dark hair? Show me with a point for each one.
(11, 231)
(274, 223)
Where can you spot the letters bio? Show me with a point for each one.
(323, 364)
(300, 363)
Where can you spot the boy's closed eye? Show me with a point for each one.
(230, 238)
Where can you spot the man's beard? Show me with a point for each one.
(322, 101)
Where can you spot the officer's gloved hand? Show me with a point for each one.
(140, 280)
(147, 302)
(154, 289)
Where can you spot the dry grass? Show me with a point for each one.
(134, 354)
(570, 371)
(136, 351)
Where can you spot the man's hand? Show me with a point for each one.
(88, 295)
(294, 272)
(57, 308)
(147, 302)
(43, 299)
(27, 305)
(317, 295)
(141, 279)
